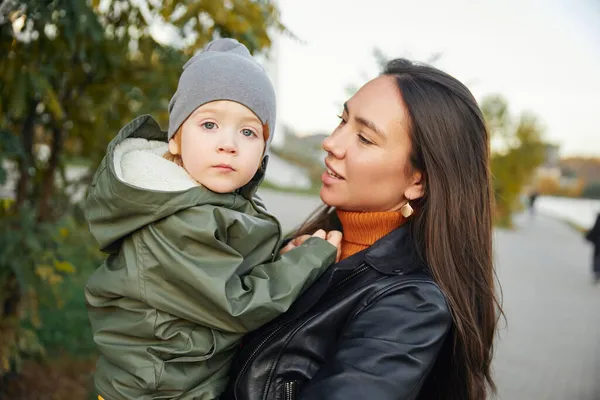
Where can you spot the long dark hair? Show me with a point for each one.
(453, 226)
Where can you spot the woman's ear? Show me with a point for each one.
(416, 189)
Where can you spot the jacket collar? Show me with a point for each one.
(395, 253)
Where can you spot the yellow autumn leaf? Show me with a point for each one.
(6, 204)
(64, 232)
(44, 271)
(64, 266)
(55, 280)
(5, 364)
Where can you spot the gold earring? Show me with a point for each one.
(406, 210)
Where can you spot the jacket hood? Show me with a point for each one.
(135, 186)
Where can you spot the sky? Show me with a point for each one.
(542, 56)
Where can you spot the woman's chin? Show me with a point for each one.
(328, 196)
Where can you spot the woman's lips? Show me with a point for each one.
(332, 172)
(329, 179)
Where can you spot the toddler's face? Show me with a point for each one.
(221, 145)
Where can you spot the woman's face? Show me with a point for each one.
(368, 154)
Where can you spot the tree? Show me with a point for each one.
(72, 73)
(517, 150)
(75, 71)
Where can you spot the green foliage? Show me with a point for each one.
(591, 191)
(65, 326)
(517, 150)
(37, 262)
(75, 71)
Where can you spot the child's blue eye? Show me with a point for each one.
(209, 125)
(247, 132)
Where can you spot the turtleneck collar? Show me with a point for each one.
(362, 229)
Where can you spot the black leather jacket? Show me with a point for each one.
(370, 328)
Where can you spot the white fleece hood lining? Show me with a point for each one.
(140, 163)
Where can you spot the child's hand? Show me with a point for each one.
(333, 237)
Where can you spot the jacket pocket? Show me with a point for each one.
(180, 353)
(289, 390)
(181, 340)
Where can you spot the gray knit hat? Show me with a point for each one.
(224, 70)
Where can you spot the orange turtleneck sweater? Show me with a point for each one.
(362, 229)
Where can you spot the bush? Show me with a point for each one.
(591, 191)
(67, 329)
(43, 268)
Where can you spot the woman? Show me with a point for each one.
(410, 311)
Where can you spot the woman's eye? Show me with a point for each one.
(209, 125)
(247, 132)
(363, 139)
(342, 121)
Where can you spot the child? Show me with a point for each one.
(193, 256)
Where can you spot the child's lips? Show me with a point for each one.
(224, 167)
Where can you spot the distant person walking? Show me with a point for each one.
(532, 198)
(593, 236)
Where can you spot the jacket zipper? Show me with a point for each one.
(352, 275)
(276, 330)
(289, 388)
(256, 350)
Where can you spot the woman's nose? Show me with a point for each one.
(332, 146)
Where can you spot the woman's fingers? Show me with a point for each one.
(301, 239)
(295, 242)
(287, 247)
(335, 238)
(320, 234)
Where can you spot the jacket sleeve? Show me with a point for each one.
(387, 350)
(189, 270)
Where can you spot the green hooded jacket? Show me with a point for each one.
(188, 272)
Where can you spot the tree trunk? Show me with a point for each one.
(10, 306)
(26, 160)
(45, 206)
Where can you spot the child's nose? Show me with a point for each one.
(228, 149)
(228, 146)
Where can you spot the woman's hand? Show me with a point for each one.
(333, 237)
